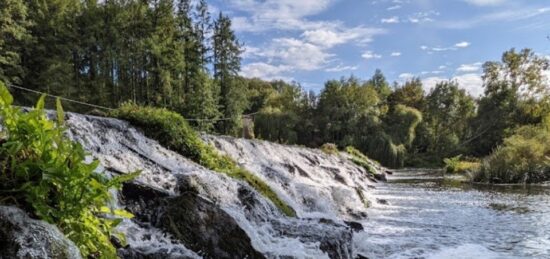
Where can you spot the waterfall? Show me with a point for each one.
(184, 210)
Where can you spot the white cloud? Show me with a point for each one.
(341, 68)
(459, 45)
(395, 54)
(485, 2)
(393, 7)
(393, 19)
(297, 54)
(500, 16)
(264, 71)
(423, 17)
(469, 67)
(371, 55)
(472, 83)
(406, 76)
(329, 37)
(463, 44)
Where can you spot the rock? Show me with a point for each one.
(381, 177)
(382, 201)
(23, 237)
(195, 221)
(335, 239)
(355, 226)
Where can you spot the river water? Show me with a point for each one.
(427, 216)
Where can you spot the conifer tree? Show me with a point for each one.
(227, 64)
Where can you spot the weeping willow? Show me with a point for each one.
(388, 144)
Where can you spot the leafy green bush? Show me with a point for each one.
(457, 165)
(523, 158)
(172, 131)
(47, 174)
(329, 148)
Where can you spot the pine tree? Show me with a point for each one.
(227, 64)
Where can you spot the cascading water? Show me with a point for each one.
(186, 211)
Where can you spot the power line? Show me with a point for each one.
(108, 108)
(60, 97)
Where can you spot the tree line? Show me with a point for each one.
(402, 124)
(163, 53)
(174, 54)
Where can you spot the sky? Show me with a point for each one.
(312, 41)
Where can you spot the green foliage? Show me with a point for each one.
(361, 159)
(172, 131)
(48, 174)
(330, 149)
(457, 165)
(522, 158)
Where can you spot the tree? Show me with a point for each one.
(410, 94)
(378, 81)
(448, 112)
(13, 34)
(509, 84)
(227, 64)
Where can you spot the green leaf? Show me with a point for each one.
(5, 95)
(60, 112)
(40, 103)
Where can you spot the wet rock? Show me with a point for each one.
(335, 239)
(195, 221)
(360, 256)
(382, 201)
(355, 226)
(129, 253)
(23, 237)
(381, 177)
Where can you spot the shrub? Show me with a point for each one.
(361, 160)
(522, 158)
(172, 131)
(47, 174)
(329, 148)
(457, 165)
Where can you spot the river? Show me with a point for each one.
(427, 216)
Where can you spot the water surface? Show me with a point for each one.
(427, 216)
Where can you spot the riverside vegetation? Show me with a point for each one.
(47, 174)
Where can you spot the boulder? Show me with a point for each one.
(23, 237)
(195, 221)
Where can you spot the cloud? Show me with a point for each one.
(393, 19)
(264, 71)
(423, 17)
(371, 55)
(485, 2)
(469, 67)
(406, 76)
(395, 54)
(297, 54)
(341, 68)
(472, 83)
(459, 45)
(500, 16)
(393, 7)
(329, 37)
(463, 44)
(278, 14)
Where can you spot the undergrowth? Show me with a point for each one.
(523, 157)
(458, 165)
(172, 131)
(360, 159)
(47, 174)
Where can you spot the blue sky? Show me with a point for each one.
(311, 41)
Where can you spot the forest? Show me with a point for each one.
(178, 55)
